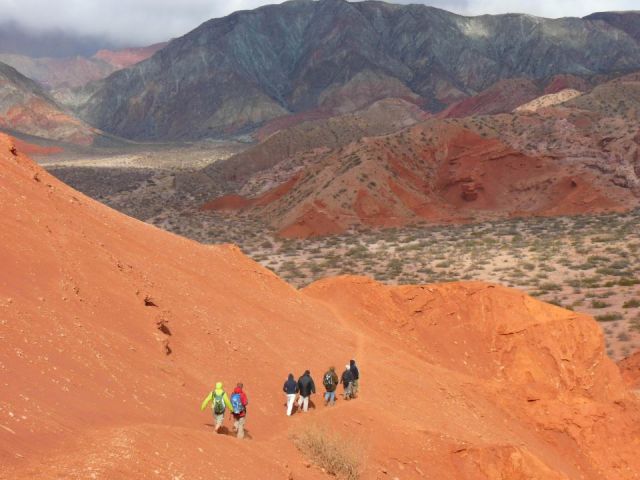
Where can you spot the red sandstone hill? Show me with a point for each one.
(435, 171)
(112, 332)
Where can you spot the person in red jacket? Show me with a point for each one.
(239, 404)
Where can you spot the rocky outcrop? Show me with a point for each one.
(549, 100)
(235, 73)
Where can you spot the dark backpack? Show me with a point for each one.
(328, 379)
(218, 404)
(236, 403)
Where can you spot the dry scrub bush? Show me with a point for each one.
(333, 453)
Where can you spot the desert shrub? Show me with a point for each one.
(599, 304)
(633, 303)
(336, 455)
(624, 337)
(549, 286)
(627, 282)
(609, 317)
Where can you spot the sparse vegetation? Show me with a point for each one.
(333, 453)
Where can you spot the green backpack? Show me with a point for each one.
(218, 404)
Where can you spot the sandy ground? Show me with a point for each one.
(155, 157)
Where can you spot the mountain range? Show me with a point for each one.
(233, 74)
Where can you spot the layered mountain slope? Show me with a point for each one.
(235, 73)
(502, 97)
(628, 22)
(435, 171)
(110, 343)
(25, 108)
(274, 159)
(77, 71)
(599, 130)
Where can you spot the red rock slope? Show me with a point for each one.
(630, 368)
(435, 171)
(112, 331)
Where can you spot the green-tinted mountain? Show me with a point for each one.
(235, 73)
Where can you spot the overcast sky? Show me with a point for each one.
(140, 22)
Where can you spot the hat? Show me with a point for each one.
(347, 366)
(219, 386)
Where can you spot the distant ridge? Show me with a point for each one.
(235, 73)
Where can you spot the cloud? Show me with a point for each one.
(541, 8)
(139, 22)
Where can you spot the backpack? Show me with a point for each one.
(328, 379)
(236, 403)
(218, 404)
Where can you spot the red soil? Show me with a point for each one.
(238, 202)
(630, 368)
(458, 380)
(33, 149)
(228, 202)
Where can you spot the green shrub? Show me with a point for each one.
(633, 303)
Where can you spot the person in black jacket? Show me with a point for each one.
(356, 376)
(290, 388)
(306, 387)
(347, 382)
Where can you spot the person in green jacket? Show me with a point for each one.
(220, 402)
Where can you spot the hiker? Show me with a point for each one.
(220, 402)
(239, 404)
(330, 382)
(305, 387)
(290, 388)
(356, 377)
(347, 381)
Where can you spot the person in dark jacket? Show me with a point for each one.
(347, 382)
(356, 377)
(239, 402)
(290, 388)
(306, 387)
(330, 382)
